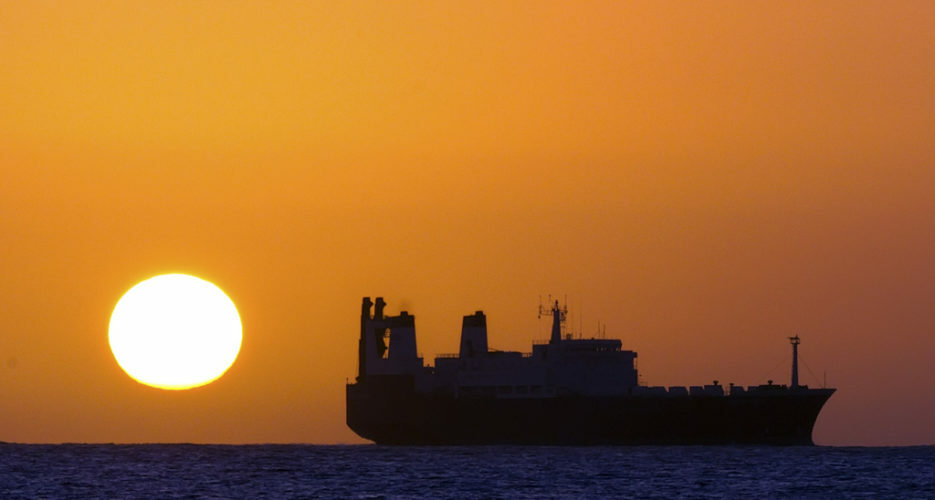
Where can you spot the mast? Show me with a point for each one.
(558, 316)
(795, 360)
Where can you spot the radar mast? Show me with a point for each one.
(559, 314)
(795, 360)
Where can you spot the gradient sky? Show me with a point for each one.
(705, 178)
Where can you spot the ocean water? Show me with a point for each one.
(370, 472)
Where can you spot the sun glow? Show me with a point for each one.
(175, 331)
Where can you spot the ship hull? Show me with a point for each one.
(387, 410)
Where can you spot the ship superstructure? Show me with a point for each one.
(567, 391)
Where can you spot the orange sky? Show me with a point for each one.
(705, 178)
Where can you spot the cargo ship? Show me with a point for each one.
(568, 391)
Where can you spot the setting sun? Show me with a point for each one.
(175, 331)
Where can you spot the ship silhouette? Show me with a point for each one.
(566, 392)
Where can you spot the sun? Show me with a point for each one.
(175, 331)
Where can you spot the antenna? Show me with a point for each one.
(580, 321)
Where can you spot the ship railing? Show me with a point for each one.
(454, 355)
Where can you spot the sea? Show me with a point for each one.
(376, 472)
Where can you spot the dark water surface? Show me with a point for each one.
(298, 471)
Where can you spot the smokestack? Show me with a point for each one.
(378, 310)
(361, 344)
(473, 335)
